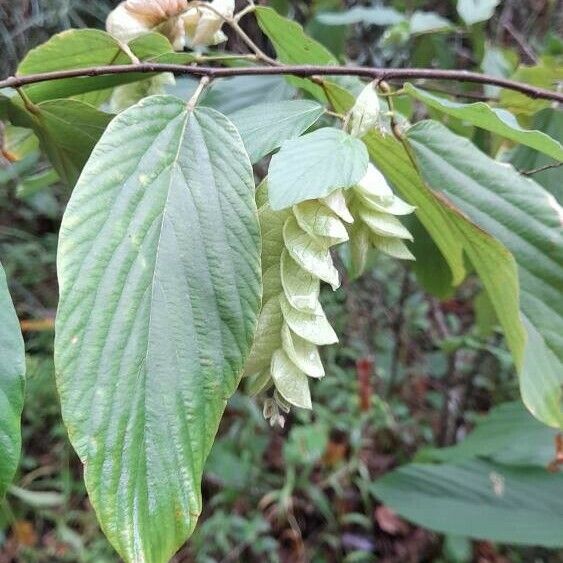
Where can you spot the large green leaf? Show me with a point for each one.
(314, 165)
(159, 272)
(509, 434)
(455, 235)
(496, 120)
(527, 220)
(67, 131)
(263, 127)
(12, 371)
(479, 499)
(82, 48)
(550, 121)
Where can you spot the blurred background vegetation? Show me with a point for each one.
(412, 371)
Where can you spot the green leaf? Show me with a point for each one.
(547, 74)
(263, 127)
(67, 131)
(478, 499)
(475, 11)
(372, 15)
(496, 120)
(436, 216)
(550, 121)
(82, 48)
(12, 372)
(455, 236)
(159, 275)
(527, 220)
(509, 434)
(294, 46)
(431, 269)
(315, 165)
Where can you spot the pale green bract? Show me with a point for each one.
(375, 206)
(159, 272)
(295, 257)
(315, 165)
(12, 371)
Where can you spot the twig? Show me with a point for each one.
(541, 168)
(233, 23)
(469, 95)
(403, 74)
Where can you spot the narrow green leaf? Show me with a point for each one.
(264, 127)
(67, 131)
(496, 120)
(159, 274)
(475, 11)
(12, 372)
(478, 499)
(523, 216)
(82, 48)
(294, 46)
(315, 165)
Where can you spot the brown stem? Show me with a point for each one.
(295, 70)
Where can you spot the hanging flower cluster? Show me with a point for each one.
(184, 26)
(295, 259)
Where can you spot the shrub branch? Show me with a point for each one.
(373, 73)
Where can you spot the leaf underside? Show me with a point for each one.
(12, 370)
(159, 272)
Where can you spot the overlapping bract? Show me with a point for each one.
(375, 209)
(295, 259)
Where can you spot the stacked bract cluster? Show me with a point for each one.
(296, 257)
(375, 208)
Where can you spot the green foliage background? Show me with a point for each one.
(305, 493)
